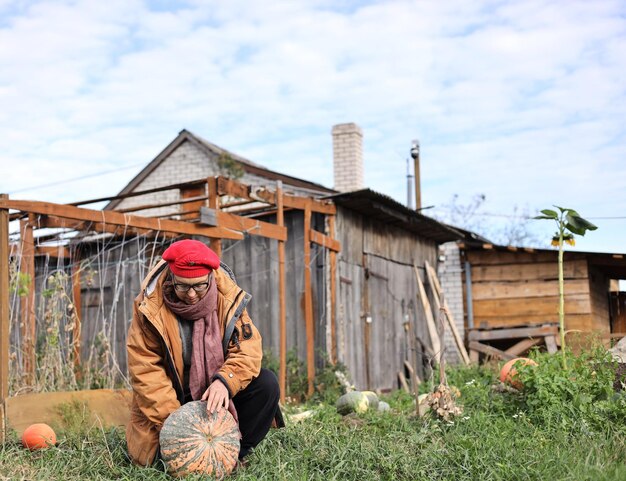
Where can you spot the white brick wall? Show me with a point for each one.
(450, 276)
(186, 163)
(348, 157)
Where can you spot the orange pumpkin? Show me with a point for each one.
(194, 442)
(508, 373)
(38, 436)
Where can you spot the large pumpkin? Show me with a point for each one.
(195, 442)
(38, 436)
(508, 373)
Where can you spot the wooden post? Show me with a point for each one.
(4, 313)
(214, 203)
(437, 293)
(27, 300)
(430, 321)
(282, 309)
(333, 293)
(308, 302)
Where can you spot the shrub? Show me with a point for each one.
(579, 395)
(327, 387)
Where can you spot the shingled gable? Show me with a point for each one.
(213, 150)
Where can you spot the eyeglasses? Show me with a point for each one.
(185, 288)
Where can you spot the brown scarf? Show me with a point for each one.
(207, 356)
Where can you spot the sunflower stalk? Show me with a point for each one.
(569, 223)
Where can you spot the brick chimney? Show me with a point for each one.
(348, 157)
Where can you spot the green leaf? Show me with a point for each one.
(550, 214)
(575, 229)
(585, 223)
(543, 217)
(562, 209)
(578, 225)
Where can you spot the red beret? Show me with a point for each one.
(191, 258)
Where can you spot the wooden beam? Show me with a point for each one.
(308, 304)
(243, 224)
(61, 223)
(403, 383)
(612, 335)
(184, 200)
(430, 321)
(540, 331)
(187, 215)
(491, 351)
(282, 289)
(117, 218)
(523, 346)
(233, 188)
(551, 344)
(59, 252)
(325, 241)
(333, 292)
(434, 282)
(322, 207)
(53, 222)
(103, 408)
(213, 203)
(474, 356)
(4, 303)
(138, 193)
(27, 300)
(239, 203)
(415, 380)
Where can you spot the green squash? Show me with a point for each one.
(356, 402)
(372, 397)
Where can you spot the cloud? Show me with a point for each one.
(522, 101)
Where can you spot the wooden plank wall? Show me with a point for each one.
(375, 351)
(110, 279)
(521, 288)
(254, 261)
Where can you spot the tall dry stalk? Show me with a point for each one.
(56, 344)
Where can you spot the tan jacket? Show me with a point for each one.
(155, 358)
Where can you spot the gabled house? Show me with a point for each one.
(190, 158)
(363, 323)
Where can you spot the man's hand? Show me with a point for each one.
(216, 397)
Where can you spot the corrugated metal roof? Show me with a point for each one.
(386, 210)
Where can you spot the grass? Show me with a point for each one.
(499, 436)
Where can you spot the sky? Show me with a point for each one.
(523, 102)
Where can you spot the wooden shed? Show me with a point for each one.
(384, 244)
(512, 294)
(350, 260)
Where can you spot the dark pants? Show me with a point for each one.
(257, 407)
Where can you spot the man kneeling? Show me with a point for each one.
(191, 339)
